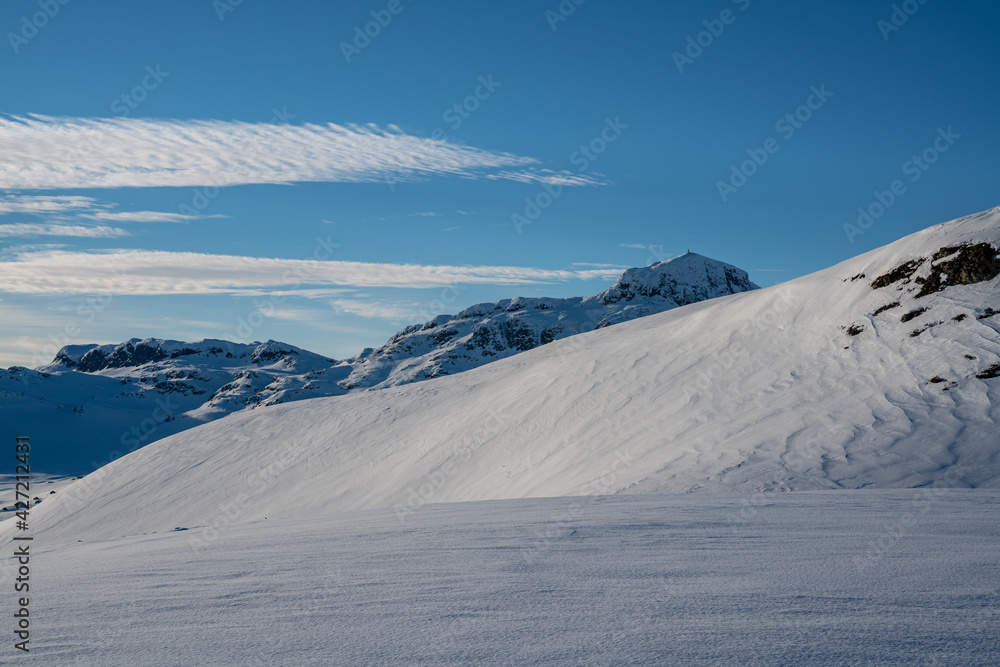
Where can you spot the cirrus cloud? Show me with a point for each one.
(150, 272)
(30, 230)
(46, 152)
(145, 216)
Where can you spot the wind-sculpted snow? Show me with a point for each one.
(811, 384)
(96, 402)
(902, 577)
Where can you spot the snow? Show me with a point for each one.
(613, 497)
(901, 577)
(762, 390)
(94, 403)
(141, 391)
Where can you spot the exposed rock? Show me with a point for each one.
(912, 314)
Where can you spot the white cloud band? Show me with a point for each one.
(44, 152)
(147, 272)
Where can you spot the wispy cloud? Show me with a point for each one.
(428, 214)
(159, 272)
(144, 216)
(374, 309)
(13, 251)
(45, 152)
(291, 314)
(59, 211)
(30, 230)
(637, 246)
(592, 265)
(42, 205)
(547, 177)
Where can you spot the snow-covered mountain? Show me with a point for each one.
(449, 344)
(96, 402)
(882, 371)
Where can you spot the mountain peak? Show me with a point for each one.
(136, 352)
(680, 280)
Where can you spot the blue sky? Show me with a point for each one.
(200, 169)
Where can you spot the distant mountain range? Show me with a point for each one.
(94, 403)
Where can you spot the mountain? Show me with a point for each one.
(94, 403)
(486, 332)
(880, 372)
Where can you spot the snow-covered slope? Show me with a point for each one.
(94, 403)
(486, 332)
(819, 383)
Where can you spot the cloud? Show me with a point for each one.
(149, 272)
(28, 230)
(374, 309)
(41, 205)
(13, 251)
(63, 207)
(145, 216)
(450, 229)
(428, 214)
(548, 177)
(637, 246)
(45, 152)
(291, 314)
(592, 265)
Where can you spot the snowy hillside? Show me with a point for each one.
(879, 372)
(94, 403)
